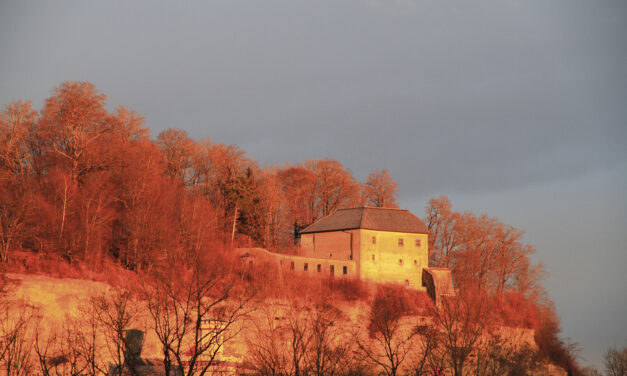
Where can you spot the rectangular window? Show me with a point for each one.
(374, 240)
(306, 266)
(400, 242)
(344, 270)
(292, 265)
(400, 261)
(417, 243)
(332, 270)
(319, 268)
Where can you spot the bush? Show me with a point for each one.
(348, 289)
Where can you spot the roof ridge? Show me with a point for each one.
(372, 207)
(384, 219)
(382, 208)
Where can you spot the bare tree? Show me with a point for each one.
(615, 361)
(195, 310)
(71, 121)
(57, 352)
(116, 314)
(430, 358)
(329, 347)
(391, 339)
(300, 340)
(272, 349)
(16, 337)
(16, 125)
(462, 319)
(88, 341)
(499, 354)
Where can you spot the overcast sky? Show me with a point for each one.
(513, 108)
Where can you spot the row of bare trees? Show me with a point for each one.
(402, 335)
(87, 342)
(192, 306)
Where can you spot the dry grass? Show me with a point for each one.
(106, 271)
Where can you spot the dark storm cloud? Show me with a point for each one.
(462, 97)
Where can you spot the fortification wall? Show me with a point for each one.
(310, 265)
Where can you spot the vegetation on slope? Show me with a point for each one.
(86, 193)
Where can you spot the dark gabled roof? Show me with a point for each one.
(369, 218)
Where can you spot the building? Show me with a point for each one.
(375, 244)
(382, 245)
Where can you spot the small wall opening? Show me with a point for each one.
(332, 270)
(292, 266)
(306, 266)
(344, 270)
(319, 268)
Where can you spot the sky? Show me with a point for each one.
(512, 108)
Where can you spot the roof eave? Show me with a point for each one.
(362, 228)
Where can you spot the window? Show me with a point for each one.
(417, 243)
(292, 265)
(319, 268)
(373, 257)
(374, 240)
(306, 266)
(332, 269)
(344, 270)
(400, 242)
(415, 262)
(400, 261)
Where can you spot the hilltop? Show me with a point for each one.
(87, 193)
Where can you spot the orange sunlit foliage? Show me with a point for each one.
(489, 258)
(480, 250)
(380, 190)
(87, 184)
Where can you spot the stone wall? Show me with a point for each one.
(310, 265)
